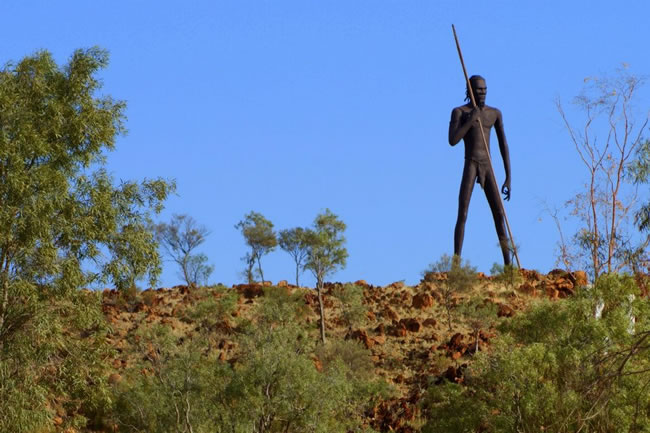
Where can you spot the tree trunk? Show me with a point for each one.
(4, 296)
(297, 273)
(319, 288)
(259, 268)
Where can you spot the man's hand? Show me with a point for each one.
(505, 190)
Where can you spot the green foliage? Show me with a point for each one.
(480, 315)
(639, 172)
(460, 278)
(215, 308)
(326, 253)
(180, 237)
(166, 391)
(59, 350)
(271, 386)
(506, 275)
(295, 242)
(61, 213)
(352, 308)
(260, 237)
(558, 368)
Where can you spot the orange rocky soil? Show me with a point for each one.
(406, 330)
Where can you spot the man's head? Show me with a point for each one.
(479, 88)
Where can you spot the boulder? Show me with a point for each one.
(411, 324)
(422, 301)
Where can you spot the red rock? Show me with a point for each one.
(552, 293)
(505, 311)
(422, 301)
(430, 322)
(250, 291)
(371, 316)
(114, 378)
(362, 336)
(361, 283)
(399, 378)
(581, 279)
(412, 324)
(397, 285)
(391, 314)
(318, 364)
(399, 331)
(379, 339)
(283, 283)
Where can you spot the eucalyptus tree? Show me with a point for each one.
(64, 223)
(260, 237)
(326, 254)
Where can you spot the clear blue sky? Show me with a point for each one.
(291, 107)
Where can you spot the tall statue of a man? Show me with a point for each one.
(465, 124)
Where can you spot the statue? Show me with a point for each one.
(465, 124)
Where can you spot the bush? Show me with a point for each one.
(270, 385)
(558, 368)
(353, 311)
(60, 350)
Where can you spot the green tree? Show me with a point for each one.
(559, 367)
(353, 311)
(458, 278)
(260, 237)
(180, 237)
(64, 225)
(294, 242)
(326, 254)
(639, 172)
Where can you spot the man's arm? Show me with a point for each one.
(458, 128)
(505, 154)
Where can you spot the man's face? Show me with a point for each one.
(480, 91)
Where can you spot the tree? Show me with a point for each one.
(559, 368)
(59, 206)
(260, 237)
(64, 223)
(326, 254)
(459, 279)
(294, 242)
(606, 140)
(639, 171)
(180, 237)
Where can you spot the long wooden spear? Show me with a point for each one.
(487, 149)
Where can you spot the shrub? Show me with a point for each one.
(558, 368)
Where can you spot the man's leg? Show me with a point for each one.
(496, 206)
(464, 196)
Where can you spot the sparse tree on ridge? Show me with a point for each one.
(180, 237)
(607, 140)
(326, 254)
(294, 242)
(460, 278)
(260, 237)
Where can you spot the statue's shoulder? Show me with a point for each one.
(493, 110)
(461, 110)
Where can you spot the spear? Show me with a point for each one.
(487, 149)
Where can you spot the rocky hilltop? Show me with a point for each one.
(405, 329)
